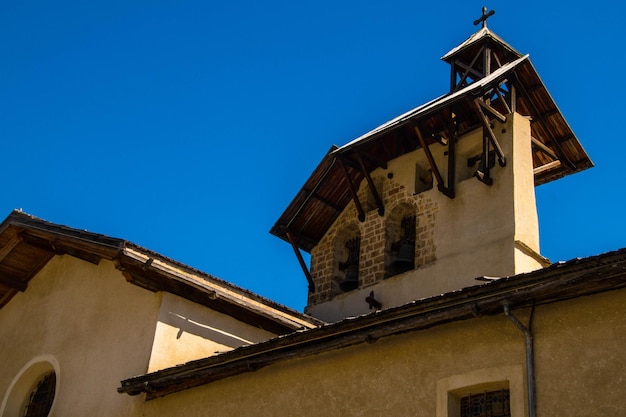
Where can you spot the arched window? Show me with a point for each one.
(42, 396)
(400, 240)
(347, 254)
(32, 391)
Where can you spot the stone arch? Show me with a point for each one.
(346, 257)
(400, 234)
(42, 370)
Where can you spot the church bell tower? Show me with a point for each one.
(439, 198)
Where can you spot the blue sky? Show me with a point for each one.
(187, 127)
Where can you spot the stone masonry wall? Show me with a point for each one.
(324, 260)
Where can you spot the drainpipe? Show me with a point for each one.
(530, 368)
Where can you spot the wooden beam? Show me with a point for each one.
(370, 182)
(467, 69)
(490, 134)
(433, 165)
(546, 167)
(6, 249)
(451, 159)
(376, 161)
(544, 148)
(13, 283)
(491, 110)
(513, 92)
(501, 98)
(539, 118)
(323, 200)
(355, 197)
(305, 269)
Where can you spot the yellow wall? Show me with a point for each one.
(580, 368)
(474, 234)
(187, 331)
(90, 322)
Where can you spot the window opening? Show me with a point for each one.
(486, 404)
(40, 401)
(351, 265)
(403, 251)
(423, 179)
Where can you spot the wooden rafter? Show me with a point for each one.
(312, 192)
(376, 161)
(321, 199)
(6, 249)
(546, 167)
(536, 114)
(544, 148)
(13, 283)
(491, 110)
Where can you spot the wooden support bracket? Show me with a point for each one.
(491, 110)
(307, 274)
(433, 165)
(355, 197)
(370, 182)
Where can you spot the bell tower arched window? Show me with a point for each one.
(347, 254)
(400, 240)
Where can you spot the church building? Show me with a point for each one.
(427, 291)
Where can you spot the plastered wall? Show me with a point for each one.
(186, 331)
(457, 240)
(93, 324)
(580, 367)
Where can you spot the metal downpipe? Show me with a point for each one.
(530, 367)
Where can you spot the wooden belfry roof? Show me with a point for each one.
(556, 150)
(27, 244)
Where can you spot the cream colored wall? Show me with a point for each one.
(96, 326)
(580, 367)
(187, 331)
(474, 233)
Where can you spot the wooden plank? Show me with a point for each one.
(491, 110)
(11, 244)
(544, 148)
(13, 283)
(546, 167)
(491, 135)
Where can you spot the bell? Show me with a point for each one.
(405, 259)
(351, 280)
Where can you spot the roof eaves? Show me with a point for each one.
(124, 254)
(218, 288)
(561, 281)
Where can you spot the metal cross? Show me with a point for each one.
(484, 17)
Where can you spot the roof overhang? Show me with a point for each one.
(559, 282)
(28, 243)
(327, 192)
